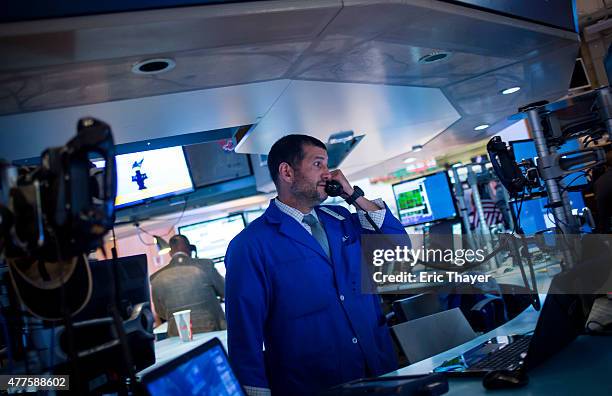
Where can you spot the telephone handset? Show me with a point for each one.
(333, 188)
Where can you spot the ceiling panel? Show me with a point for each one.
(393, 118)
(315, 67)
(25, 135)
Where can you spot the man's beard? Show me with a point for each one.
(306, 191)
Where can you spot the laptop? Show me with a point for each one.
(205, 370)
(562, 319)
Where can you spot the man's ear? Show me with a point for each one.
(285, 172)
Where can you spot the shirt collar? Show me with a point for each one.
(293, 212)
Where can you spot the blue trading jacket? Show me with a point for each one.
(318, 328)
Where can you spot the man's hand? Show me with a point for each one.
(364, 203)
(340, 178)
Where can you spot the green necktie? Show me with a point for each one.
(317, 232)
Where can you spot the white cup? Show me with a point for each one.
(183, 324)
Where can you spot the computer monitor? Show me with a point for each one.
(525, 149)
(212, 237)
(94, 333)
(149, 175)
(205, 370)
(425, 199)
(447, 234)
(132, 282)
(535, 217)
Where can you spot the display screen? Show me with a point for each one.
(525, 149)
(205, 374)
(424, 200)
(148, 175)
(211, 238)
(535, 216)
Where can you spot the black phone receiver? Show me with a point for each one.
(333, 188)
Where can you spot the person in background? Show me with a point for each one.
(188, 283)
(293, 283)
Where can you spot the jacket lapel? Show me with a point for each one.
(289, 227)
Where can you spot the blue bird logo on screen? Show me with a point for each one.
(139, 177)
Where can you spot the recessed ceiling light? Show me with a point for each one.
(417, 147)
(153, 66)
(509, 91)
(481, 127)
(436, 56)
(409, 160)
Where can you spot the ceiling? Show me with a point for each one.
(311, 66)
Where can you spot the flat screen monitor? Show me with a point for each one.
(212, 237)
(132, 281)
(148, 175)
(425, 199)
(536, 217)
(204, 370)
(524, 149)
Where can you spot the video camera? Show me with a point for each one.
(57, 210)
(51, 217)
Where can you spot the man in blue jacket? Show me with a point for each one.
(297, 320)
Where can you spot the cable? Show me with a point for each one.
(115, 314)
(517, 223)
(140, 237)
(556, 219)
(178, 220)
(367, 216)
(581, 173)
(72, 353)
(140, 229)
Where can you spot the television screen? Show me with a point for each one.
(149, 175)
(212, 237)
(524, 149)
(425, 199)
(210, 163)
(535, 216)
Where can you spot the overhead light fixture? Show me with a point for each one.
(481, 127)
(162, 246)
(409, 160)
(435, 56)
(509, 91)
(153, 66)
(417, 147)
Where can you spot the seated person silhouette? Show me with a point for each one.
(188, 283)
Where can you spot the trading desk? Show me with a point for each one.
(172, 347)
(581, 368)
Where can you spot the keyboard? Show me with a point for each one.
(508, 358)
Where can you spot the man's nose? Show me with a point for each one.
(326, 174)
